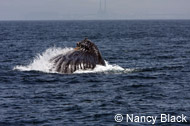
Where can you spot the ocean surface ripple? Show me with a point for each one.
(147, 72)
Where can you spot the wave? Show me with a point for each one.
(41, 63)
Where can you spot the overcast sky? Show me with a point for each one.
(89, 9)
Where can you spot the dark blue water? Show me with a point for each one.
(158, 51)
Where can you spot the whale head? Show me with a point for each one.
(85, 56)
(87, 46)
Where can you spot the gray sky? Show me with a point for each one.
(89, 9)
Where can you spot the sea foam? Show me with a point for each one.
(41, 63)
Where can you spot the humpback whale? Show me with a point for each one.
(85, 56)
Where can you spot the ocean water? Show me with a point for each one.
(147, 72)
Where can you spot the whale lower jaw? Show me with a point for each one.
(75, 60)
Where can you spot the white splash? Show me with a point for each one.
(106, 69)
(41, 63)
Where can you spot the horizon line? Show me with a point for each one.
(88, 19)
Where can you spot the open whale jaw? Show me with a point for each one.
(85, 56)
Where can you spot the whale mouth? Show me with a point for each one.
(85, 56)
